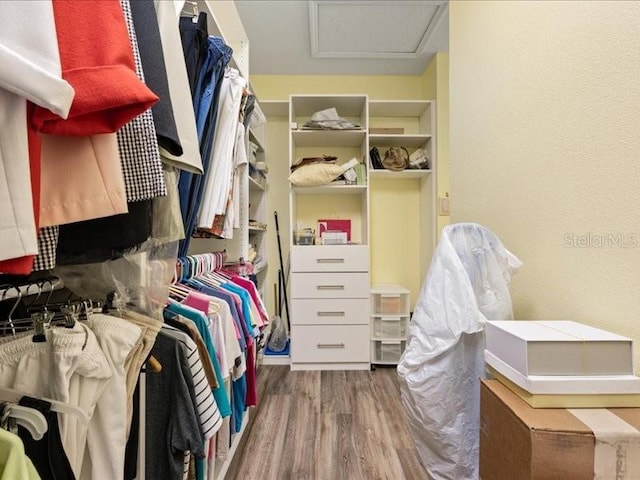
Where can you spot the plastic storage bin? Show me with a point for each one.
(385, 351)
(390, 327)
(391, 303)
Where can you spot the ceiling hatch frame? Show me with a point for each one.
(314, 18)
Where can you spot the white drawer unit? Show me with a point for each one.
(335, 344)
(330, 305)
(330, 258)
(329, 285)
(390, 316)
(331, 311)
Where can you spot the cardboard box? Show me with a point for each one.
(559, 348)
(522, 443)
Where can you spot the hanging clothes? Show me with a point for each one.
(24, 265)
(217, 182)
(155, 74)
(172, 424)
(206, 105)
(47, 454)
(179, 90)
(14, 464)
(31, 70)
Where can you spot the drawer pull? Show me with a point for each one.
(331, 345)
(330, 314)
(330, 260)
(330, 287)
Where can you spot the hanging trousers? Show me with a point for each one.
(206, 108)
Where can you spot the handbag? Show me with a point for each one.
(396, 159)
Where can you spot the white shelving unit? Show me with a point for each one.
(328, 310)
(418, 120)
(329, 283)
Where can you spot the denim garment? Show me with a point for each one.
(194, 43)
(206, 109)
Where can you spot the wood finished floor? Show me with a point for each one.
(332, 425)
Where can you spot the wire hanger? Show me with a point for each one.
(15, 305)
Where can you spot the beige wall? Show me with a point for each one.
(435, 85)
(545, 150)
(392, 87)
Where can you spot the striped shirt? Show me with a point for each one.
(210, 418)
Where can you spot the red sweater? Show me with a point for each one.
(97, 60)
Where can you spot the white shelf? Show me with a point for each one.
(275, 108)
(275, 360)
(255, 186)
(405, 174)
(332, 190)
(399, 140)
(346, 105)
(257, 229)
(254, 139)
(397, 108)
(328, 138)
(389, 339)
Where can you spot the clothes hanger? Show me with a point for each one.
(26, 417)
(15, 305)
(14, 396)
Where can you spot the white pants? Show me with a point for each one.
(69, 367)
(107, 436)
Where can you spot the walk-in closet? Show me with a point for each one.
(319, 240)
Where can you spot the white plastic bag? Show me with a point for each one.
(467, 284)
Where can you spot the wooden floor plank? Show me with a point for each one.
(330, 425)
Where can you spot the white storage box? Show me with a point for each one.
(389, 300)
(390, 327)
(559, 348)
(385, 351)
(566, 385)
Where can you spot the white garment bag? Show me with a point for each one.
(467, 284)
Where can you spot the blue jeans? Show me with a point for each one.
(207, 92)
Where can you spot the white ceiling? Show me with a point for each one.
(346, 37)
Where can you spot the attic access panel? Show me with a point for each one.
(372, 29)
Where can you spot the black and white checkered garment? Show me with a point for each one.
(137, 141)
(47, 244)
